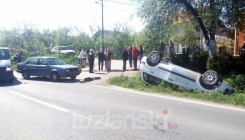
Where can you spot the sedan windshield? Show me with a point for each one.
(4, 54)
(55, 61)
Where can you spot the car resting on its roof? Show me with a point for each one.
(154, 69)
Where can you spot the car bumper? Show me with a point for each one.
(72, 74)
(19, 71)
(6, 75)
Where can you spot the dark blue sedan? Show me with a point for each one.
(52, 67)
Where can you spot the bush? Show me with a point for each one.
(198, 61)
(194, 61)
(221, 63)
(240, 64)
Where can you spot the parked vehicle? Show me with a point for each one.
(6, 70)
(52, 67)
(63, 50)
(154, 69)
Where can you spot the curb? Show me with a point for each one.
(89, 79)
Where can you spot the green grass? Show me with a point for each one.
(238, 98)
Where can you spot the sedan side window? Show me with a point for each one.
(42, 61)
(33, 61)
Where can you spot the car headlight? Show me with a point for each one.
(8, 68)
(67, 70)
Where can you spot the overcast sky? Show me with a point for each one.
(52, 14)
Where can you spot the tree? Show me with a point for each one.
(209, 14)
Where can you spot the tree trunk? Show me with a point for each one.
(210, 43)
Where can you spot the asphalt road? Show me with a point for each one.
(39, 109)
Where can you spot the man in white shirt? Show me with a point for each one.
(82, 56)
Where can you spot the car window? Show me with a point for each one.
(58, 61)
(42, 61)
(64, 48)
(50, 61)
(4, 54)
(33, 61)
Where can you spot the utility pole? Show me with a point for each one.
(103, 47)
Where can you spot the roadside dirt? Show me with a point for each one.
(116, 70)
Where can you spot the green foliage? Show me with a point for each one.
(164, 88)
(236, 81)
(33, 42)
(221, 63)
(186, 35)
(195, 61)
(240, 64)
(228, 43)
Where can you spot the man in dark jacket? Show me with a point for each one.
(124, 57)
(130, 55)
(91, 61)
(101, 59)
(161, 49)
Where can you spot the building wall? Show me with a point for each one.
(240, 38)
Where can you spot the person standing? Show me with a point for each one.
(141, 53)
(101, 58)
(162, 48)
(124, 57)
(135, 54)
(130, 55)
(108, 56)
(91, 61)
(18, 57)
(171, 48)
(81, 57)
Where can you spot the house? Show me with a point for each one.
(239, 39)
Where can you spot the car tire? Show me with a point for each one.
(25, 75)
(73, 77)
(211, 78)
(154, 58)
(55, 77)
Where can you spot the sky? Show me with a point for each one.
(53, 14)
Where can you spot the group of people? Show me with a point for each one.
(162, 48)
(102, 57)
(132, 53)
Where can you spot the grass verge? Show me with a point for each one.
(238, 98)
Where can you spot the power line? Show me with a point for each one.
(119, 9)
(122, 3)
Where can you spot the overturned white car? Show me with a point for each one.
(154, 69)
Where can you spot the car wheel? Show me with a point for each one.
(25, 75)
(55, 76)
(211, 78)
(154, 58)
(73, 77)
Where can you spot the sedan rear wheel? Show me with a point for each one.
(211, 78)
(25, 75)
(55, 77)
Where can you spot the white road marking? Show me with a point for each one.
(74, 114)
(171, 98)
(40, 102)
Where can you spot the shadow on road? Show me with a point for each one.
(6, 83)
(46, 79)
